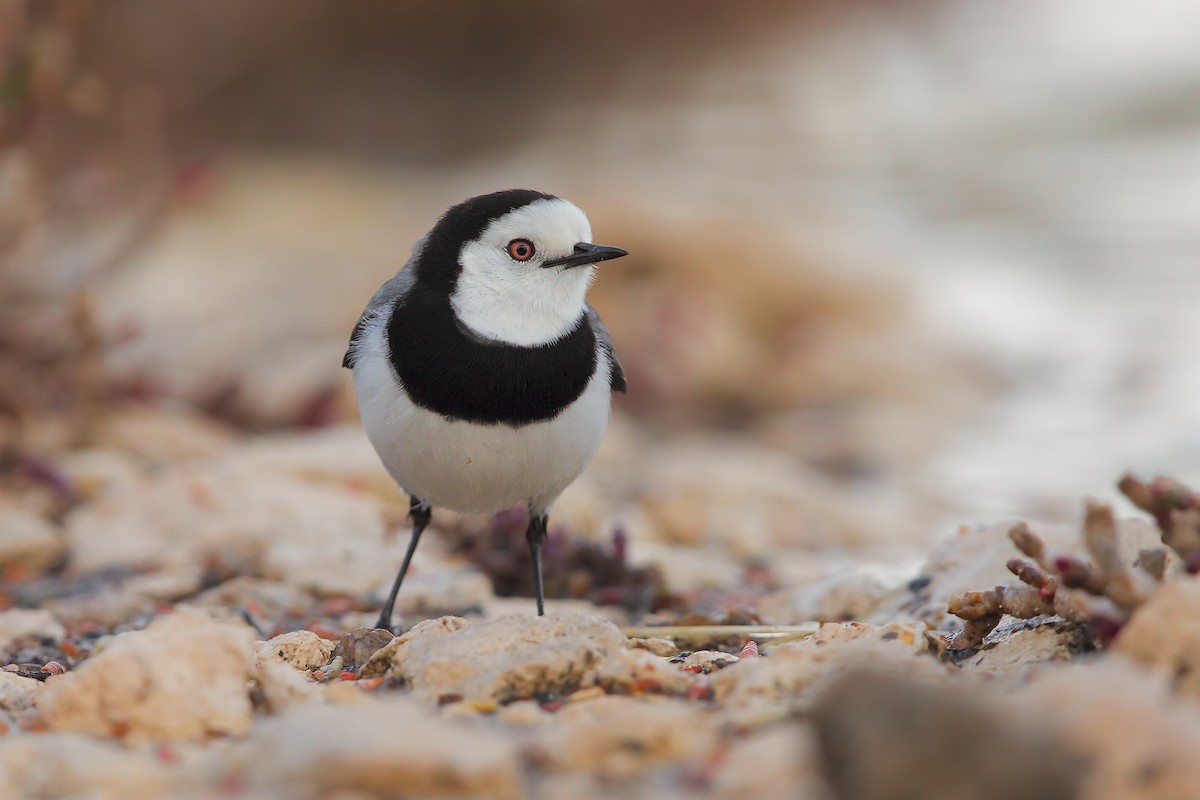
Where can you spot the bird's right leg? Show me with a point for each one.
(420, 513)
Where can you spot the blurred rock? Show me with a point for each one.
(303, 650)
(760, 690)
(71, 765)
(270, 599)
(27, 540)
(886, 736)
(621, 738)
(777, 763)
(28, 623)
(514, 657)
(340, 456)
(974, 558)
(839, 598)
(183, 677)
(162, 436)
(444, 591)
(1139, 740)
(1163, 634)
(706, 661)
(386, 748)
(232, 516)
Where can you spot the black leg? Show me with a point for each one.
(420, 515)
(535, 534)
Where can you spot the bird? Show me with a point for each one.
(483, 376)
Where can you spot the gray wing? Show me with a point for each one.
(396, 287)
(616, 378)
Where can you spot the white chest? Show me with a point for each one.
(471, 467)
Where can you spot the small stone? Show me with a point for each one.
(357, 647)
(183, 677)
(303, 650)
(656, 645)
(706, 661)
(1017, 644)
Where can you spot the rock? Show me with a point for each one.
(27, 540)
(443, 591)
(18, 695)
(95, 472)
(1017, 644)
(656, 645)
(382, 661)
(887, 736)
(260, 597)
(838, 598)
(357, 647)
(28, 623)
(339, 456)
(513, 657)
(183, 677)
(1139, 739)
(759, 690)
(71, 765)
(385, 748)
(974, 558)
(1162, 634)
(629, 670)
(303, 650)
(239, 518)
(159, 436)
(706, 661)
(620, 738)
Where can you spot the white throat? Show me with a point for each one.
(548, 309)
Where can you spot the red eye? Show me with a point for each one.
(520, 249)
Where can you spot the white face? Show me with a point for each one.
(506, 299)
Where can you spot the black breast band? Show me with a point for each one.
(452, 372)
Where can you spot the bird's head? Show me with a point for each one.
(515, 265)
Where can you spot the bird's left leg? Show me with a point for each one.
(535, 534)
(421, 514)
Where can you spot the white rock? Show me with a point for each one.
(511, 658)
(183, 677)
(71, 765)
(303, 650)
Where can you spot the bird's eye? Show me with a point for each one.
(520, 249)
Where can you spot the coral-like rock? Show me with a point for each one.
(382, 660)
(386, 748)
(183, 677)
(706, 661)
(17, 694)
(510, 658)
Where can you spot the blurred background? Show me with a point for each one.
(895, 266)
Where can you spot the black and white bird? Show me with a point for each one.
(483, 376)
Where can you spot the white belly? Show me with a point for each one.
(465, 466)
